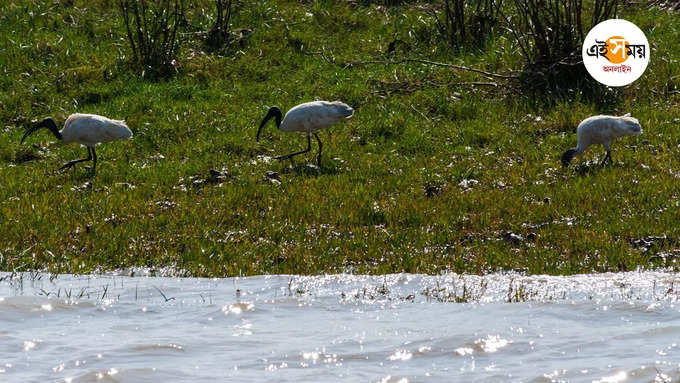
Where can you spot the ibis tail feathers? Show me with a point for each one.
(341, 109)
(121, 130)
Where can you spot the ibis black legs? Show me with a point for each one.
(608, 156)
(94, 160)
(318, 158)
(91, 156)
(309, 147)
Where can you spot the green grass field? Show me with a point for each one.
(391, 195)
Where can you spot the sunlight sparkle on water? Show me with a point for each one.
(30, 344)
(238, 308)
(389, 379)
(401, 355)
(616, 378)
(346, 328)
(492, 343)
(310, 355)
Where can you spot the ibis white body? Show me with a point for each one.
(85, 129)
(308, 118)
(605, 129)
(311, 117)
(92, 129)
(602, 130)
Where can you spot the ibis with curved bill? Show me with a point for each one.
(85, 129)
(308, 118)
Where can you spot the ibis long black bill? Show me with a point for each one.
(46, 123)
(29, 131)
(262, 124)
(274, 112)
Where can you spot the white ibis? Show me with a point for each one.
(308, 118)
(87, 130)
(602, 130)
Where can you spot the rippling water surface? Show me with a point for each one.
(398, 328)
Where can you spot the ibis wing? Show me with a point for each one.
(90, 129)
(316, 115)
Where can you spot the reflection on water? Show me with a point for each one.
(621, 327)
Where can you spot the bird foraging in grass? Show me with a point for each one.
(85, 129)
(602, 130)
(308, 118)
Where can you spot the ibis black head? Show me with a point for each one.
(45, 123)
(567, 157)
(274, 112)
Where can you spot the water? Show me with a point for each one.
(621, 327)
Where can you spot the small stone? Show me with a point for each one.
(513, 238)
(431, 190)
(467, 184)
(215, 176)
(272, 177)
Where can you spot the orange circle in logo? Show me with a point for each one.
(616, 49)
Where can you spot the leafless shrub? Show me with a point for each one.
(219, 35)
(388, 3)
(549, 34)
(549, 31)
(461, 22)
(222, 35)
(152, 27)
